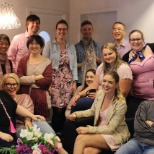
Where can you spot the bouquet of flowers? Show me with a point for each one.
(32, 141)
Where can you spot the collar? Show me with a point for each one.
(123, 43)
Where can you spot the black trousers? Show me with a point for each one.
(58, 119)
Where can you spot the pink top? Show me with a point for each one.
(108, 138)
(18, 49)
(143, 80)
(25, 101)
(123, 71)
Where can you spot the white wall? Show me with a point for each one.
(136, 14)
(22, 8)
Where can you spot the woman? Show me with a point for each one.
(9, 109)
(140, 59)
(10, 84)
(84, 102)
(112, 62)
(35, 74)
(64, 66)
(6, 65)
(110, 130)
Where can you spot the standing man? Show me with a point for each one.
(118, 32)
(18, 48)
(88, 51)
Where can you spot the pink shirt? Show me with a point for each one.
(18, 49)
(143, 78)
(123, 71)
(123, 48)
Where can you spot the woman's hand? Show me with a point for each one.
(82, 130)
(38, 77)
(6, 137)
(28, 124)
(72, 117)
(37, 117)
(92, 95)
(149, 122)
(74, 99)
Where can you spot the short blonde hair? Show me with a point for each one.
(10, 75)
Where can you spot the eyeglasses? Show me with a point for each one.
(117, 29)
(9, 85)
(135, 39)
(62, 29)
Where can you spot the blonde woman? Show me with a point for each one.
(110, 130)
(11, 85)
(111, 62)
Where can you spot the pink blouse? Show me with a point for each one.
(143, 78)
(123, 71)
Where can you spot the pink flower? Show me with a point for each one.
(35, 152)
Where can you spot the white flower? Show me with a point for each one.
(48, 137)
(36, 131)
(23, 133)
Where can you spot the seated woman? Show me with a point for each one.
(10, 84)
(9, 108)
(112, 62)
(140, 59)
(83, 103)
(110, 130)
(6, 65)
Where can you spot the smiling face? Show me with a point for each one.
(34, 48)
(33, 27)
(109, 56)
(4, 45)
(109, 84)
(87, 31)
(136, 41)
(118, 31)
(61, 31)
(89, 78)
(11, 86)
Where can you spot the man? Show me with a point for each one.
(118, 32)
(88, 51)
(143, 141)
(18, 47)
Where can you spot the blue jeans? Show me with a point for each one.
(82, 103)
(43, 125)
(135, 147)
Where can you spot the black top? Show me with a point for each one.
(126, 56)
(10, 106)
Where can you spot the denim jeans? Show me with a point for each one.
(135, 147)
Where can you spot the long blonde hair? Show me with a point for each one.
(118, 60)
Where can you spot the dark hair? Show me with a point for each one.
(90, 70)
(86, 22)
(32, 17)
(118, 22)
(4, 37)
(138, 31)
(62, 22)
(39, 40)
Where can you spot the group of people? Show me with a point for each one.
(106, 81)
